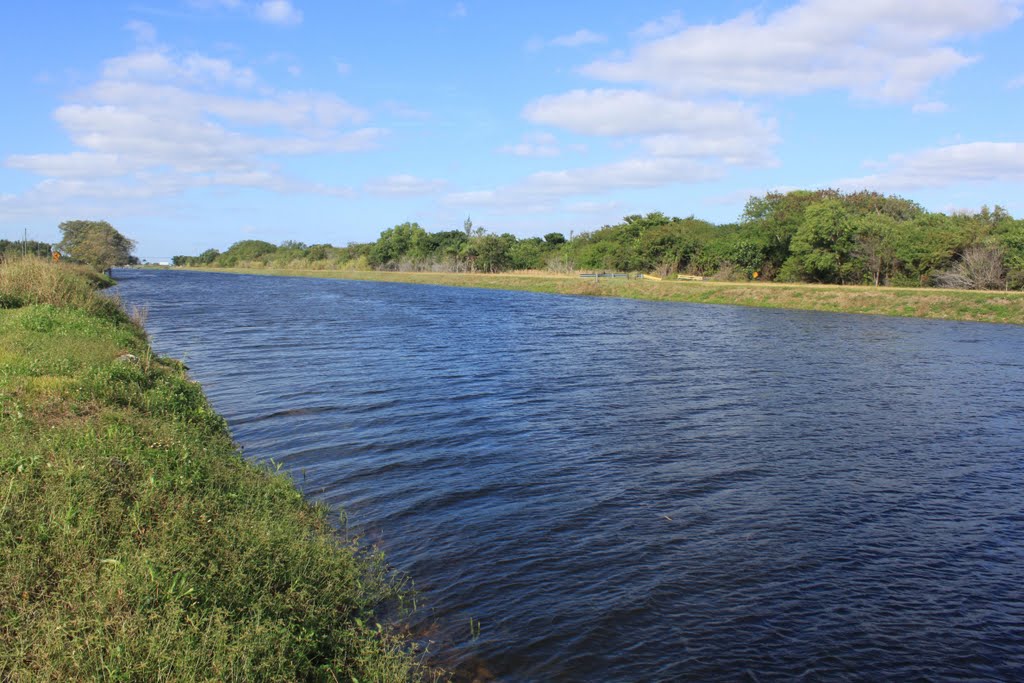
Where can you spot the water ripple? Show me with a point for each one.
(626, 490)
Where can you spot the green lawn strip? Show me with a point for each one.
(137, 544)
(943, 304)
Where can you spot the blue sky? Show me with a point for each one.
(197, 123)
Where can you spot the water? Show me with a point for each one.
(625, 490)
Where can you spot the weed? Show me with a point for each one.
(136, 543)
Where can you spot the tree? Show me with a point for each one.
(980, 267)
(823, 244)
(874, 245)
(96, 243)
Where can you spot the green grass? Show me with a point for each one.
(943, 304)
(137, 544)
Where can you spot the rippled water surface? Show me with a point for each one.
(627, 490)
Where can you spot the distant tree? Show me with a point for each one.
(823, 244)
(402, 242)
(96, 243)
(874, 245)
(467, 226)
(245, 250)
(208, 257)
(979, 267)
(554, 239)
(10, 248)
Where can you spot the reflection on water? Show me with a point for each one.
(626, 490)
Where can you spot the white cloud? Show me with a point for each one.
(280, 12)
(670, 127)
(635, 112)
(404, 186)
(546, 189)
(156, 124)
(930, 107)
(659, 27)
(594, 207)
(873, 48)
(142, 31)
(459, 10)
(578, 39)
(158, 65)
(534, 145)
(946, 166)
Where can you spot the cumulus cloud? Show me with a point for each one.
(875, 49)
(946, 166)
(280, 12)
(157, 124)
(667, 127)
(404, 185)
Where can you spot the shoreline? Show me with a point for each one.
(135, 540)
(1001, 307)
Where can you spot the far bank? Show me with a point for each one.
(939, 304)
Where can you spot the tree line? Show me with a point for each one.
(819, 236)
(96, 243)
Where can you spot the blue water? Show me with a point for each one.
(624, 490)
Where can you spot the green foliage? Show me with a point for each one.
(402, 242)
(96, 243)
(15, 248)
(245, 250)
(136, 543)
(823, 235)
(823, 244)
(491, 253)
(1010, 236)
(31, 280)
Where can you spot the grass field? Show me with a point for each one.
(136, 543)
(942, 304)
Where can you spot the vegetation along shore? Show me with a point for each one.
(939, 304)
(135, 542)
(862, 252)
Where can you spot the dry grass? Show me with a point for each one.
(944, 304)
(31, 280)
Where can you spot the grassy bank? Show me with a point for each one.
(135, 543)
(943, 304)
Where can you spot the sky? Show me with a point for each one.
(191, 124)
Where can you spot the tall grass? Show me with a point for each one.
(136, 543)
(32, 280)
